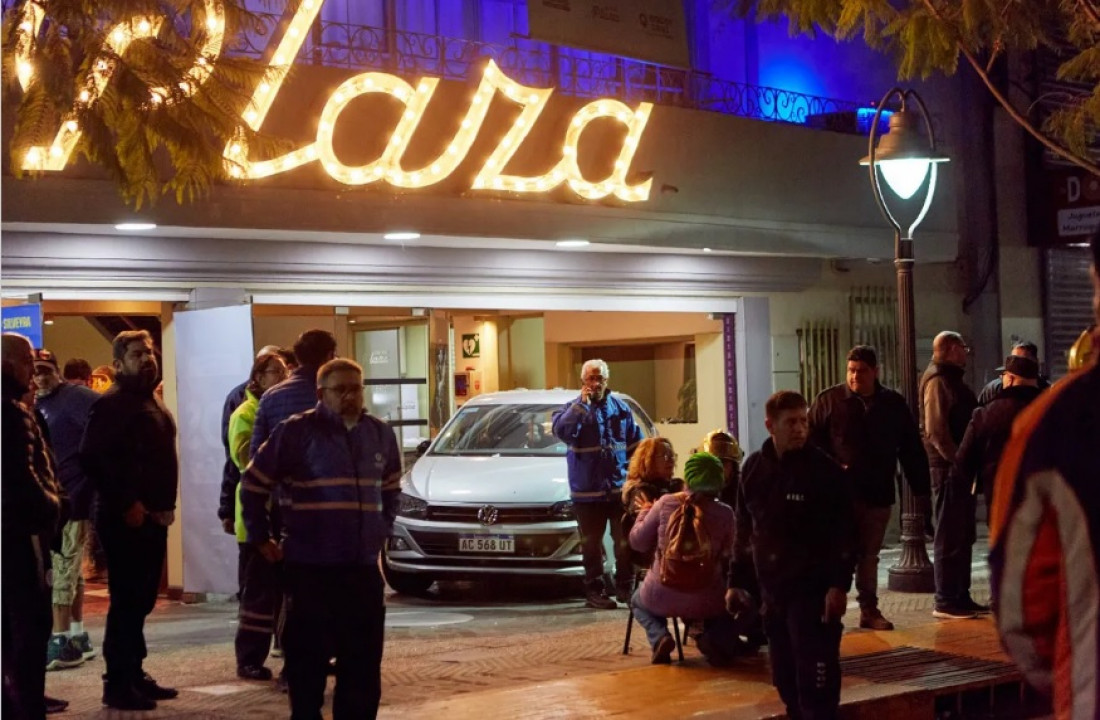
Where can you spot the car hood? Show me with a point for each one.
(489, 479)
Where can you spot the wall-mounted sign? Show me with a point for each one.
(1068, 207)
(471, 345)
(25, 320)
(388, 167)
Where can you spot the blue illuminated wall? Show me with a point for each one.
(728, 48)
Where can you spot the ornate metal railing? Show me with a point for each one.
(573, 72)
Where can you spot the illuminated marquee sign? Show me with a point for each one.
(386, 168)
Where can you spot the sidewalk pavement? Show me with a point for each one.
(536, 662)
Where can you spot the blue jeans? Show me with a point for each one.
(721, 630)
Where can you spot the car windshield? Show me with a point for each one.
(501, 430)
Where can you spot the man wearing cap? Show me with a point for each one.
(990, 426)
(1020, 348)
(654, 602)
(868, 428)
(65, 407)
(795, 530)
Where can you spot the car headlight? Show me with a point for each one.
(411, 506)
(562, 510)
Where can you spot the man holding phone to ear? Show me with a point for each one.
(601, 434)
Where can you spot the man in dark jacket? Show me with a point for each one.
(1020, 348)
(601, 434)
(65, 408)
(32, 508)
(795, 519)
(129, 452)
(946, 404)
(338, 470)
(868, 429)
(990, 427)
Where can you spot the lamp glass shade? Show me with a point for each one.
(904, 176)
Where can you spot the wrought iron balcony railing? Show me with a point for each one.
(573, 72)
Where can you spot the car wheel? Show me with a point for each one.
(405, 583)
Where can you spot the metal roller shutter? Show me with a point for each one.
(1067, 302)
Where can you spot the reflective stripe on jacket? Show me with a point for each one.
(337, 487)
(1044, 536)
(601, 437)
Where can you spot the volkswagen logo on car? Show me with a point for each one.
(487, 515)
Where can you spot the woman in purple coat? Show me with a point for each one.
(655, 601)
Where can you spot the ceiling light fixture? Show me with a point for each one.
(135, 226)
(572, 243)
(707, 250)
(401, 236)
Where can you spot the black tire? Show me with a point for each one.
(405, 583)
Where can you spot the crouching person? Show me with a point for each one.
(693, 533)
(795, 518)
(338, 470)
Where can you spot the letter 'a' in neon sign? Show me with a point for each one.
(387, 168)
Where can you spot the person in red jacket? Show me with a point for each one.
(1044, 535)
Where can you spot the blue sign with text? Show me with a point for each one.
(25, 320)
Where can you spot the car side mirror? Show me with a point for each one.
(423, 447)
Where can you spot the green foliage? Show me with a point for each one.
(149, 148)
(929, 36)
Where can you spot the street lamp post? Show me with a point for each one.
(907, 161)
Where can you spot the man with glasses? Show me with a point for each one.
(946, 404)
(601, 434)
(338, 470)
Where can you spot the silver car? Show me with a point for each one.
(490, 496)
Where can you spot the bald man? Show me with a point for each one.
(31, 506)
(946, 404)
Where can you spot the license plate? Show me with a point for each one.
(487, 543)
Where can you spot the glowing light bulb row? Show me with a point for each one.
(117, 41)
(534, 101)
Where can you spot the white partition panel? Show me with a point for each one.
(213, 355)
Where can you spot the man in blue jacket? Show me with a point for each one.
(601, 434)
(338, 470)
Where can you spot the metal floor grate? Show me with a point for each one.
(929, 669)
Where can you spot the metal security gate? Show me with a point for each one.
(1067, 302)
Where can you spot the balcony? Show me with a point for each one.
(573, 72)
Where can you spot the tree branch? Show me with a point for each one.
(1004, 102)
(1023, 121)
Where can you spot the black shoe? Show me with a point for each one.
(599, 601)
(253, 672)
(976, 607)
(55, 705)
(872, 619)
(126, 697)
(623, 593)
(148, 687)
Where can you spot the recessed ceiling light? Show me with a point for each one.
(572, 243)
(401, 236)
(707, 250)
(135, 226)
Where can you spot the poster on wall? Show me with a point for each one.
(650, 30)
(25, 320)
(213, 355)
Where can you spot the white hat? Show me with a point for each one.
(268, 350)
